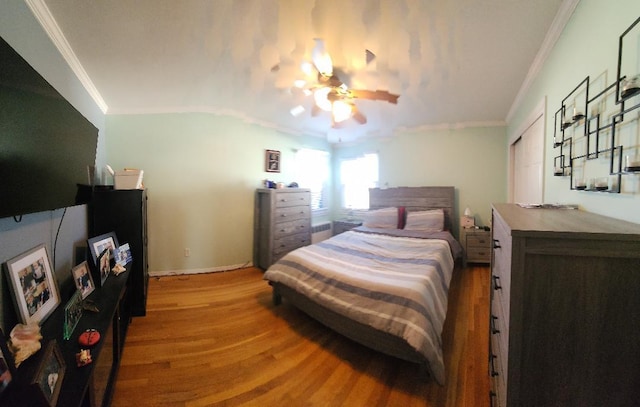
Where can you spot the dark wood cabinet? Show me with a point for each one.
(125, 213)
(565, 309)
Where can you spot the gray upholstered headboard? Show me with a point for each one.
(415, 199)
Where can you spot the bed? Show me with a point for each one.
(382, 285)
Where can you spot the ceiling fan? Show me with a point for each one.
(333, 95)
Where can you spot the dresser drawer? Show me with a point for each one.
(292, 213)
(284, 200)
(292, 227)
(288, 243)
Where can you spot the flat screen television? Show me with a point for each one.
(46, 145)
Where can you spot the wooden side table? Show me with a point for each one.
(477, 245)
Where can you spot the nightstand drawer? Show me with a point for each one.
(478, 254)
(475, 240)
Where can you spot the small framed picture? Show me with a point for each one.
(272, 161)
(7, 368)
(104, 265)
(83, 279)
(123, 255)
(33, 284)
(72, 314)
(47, 380)
(98, 244)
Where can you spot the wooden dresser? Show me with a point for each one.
(282, 223)
(565, 309)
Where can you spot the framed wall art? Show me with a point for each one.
(99, 243)
(272, 161)
(83, 279)
(33, 284)
(47, 380)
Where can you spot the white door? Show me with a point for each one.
(527, 154)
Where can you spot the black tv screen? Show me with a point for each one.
(46, 145)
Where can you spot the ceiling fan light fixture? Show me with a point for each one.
(320, 97)
(322, 59)
(341, 111)
(307, 68)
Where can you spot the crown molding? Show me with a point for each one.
(557, 26)
(46, 20)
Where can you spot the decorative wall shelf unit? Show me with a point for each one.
(597, 145)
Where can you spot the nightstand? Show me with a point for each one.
(343, 225)
(477, 245)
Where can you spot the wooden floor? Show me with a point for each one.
(217, 340)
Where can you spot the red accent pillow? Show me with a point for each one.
(401, 216)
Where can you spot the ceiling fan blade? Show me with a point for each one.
(359, 117)
(374, 95)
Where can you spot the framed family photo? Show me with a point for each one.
(99, 243)
(83, 279)
(47, 380)
(272, 161)
(72, 314)
(104, 266)
(33, 284)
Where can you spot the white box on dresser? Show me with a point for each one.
(282, 223)
(565, 309)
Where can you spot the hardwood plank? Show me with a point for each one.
(217, 340)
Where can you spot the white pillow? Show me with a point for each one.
(386, 218)
(425, 221)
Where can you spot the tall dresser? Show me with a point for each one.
(125, 213)
(565, 309)
(282, 223)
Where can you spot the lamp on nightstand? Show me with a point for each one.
(467, 220)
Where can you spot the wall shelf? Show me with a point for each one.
(588, 136)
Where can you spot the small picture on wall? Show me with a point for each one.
(272, 160)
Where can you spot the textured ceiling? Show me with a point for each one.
(453, 62)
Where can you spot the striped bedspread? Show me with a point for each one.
(396, 284)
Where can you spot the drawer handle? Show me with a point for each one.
(496, 283)
(496, 244)
(493, 369)
(494, 330)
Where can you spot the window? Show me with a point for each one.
(357, 175)
(312, 170)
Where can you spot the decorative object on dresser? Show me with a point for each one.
(342, 225)
(125, 213)
(282, 222)
(477, 245)
(565, 308)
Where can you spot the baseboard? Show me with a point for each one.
(165, 273)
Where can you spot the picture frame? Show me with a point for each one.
(104, 265)
(7, 366)
(33, 285)
(272, 161)
(47, 381)
(72, 314)
(98, 244)
(123, 255)
(83, 279)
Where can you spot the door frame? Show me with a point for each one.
(538, 112)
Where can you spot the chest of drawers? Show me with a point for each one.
(282, 223)
(565, 309)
